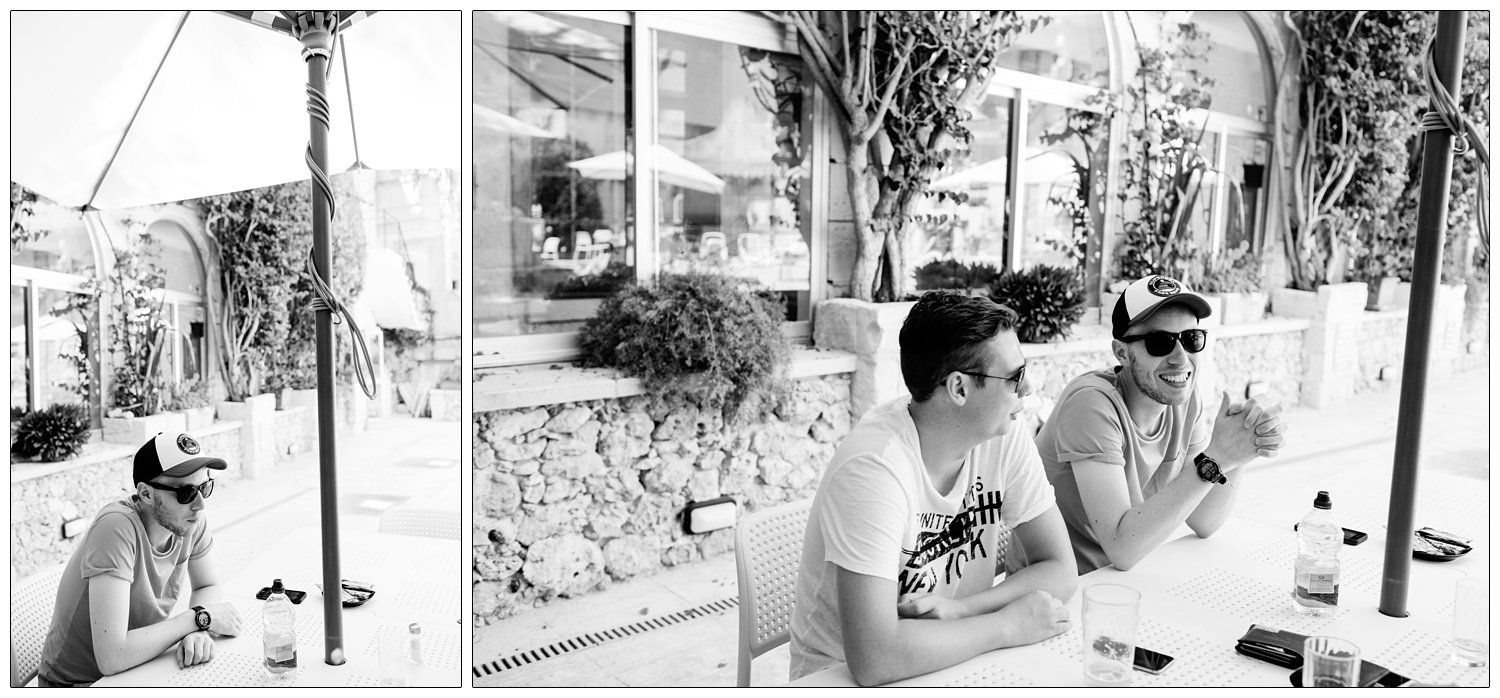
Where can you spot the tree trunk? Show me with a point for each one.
(866, 242)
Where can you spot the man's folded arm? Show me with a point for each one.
(1127, 534)
(116, 648)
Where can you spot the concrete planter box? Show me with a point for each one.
(134, 431)
(197, 417)
(305, 397)
(871, 331)
(256, 415)
(1241, 307)
(1290, 302)
(1382, 294)
(445, 404)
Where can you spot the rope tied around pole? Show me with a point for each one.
(324, 299)
(1467, 134)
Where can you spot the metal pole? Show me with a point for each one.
(1432, 224)
(315, 31)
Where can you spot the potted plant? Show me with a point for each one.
(713, 339)
(137, 333)
(1236, 280)
(190, 398)
(52, 434)
(1048, 301)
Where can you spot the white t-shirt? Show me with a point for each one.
(878, 513)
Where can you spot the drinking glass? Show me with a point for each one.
(392, 658)
(1471, 618)
(1111, 613)
(1329, 662)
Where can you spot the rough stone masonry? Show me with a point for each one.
(569, 497)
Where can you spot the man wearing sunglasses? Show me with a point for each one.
(130, 569)
(1135, 451)
(926, 504)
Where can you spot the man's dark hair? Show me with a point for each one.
(943, 334)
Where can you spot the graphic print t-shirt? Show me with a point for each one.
(878, 513)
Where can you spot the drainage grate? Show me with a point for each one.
(598, 638)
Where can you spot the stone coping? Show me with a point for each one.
(95, 452)
(1088, 338)
(556, 383)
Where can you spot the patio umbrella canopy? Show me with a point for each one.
(123, 109)
(671, 168)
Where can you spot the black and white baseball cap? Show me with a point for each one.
(1143, 298)
(173, 454)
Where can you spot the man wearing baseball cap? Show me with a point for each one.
(1136, 450)
(130, 569)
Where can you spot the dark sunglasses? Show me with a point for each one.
(1020, 376)
(186, 493)
(1161, 343)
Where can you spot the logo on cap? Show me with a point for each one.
(187, 445)
(1163, 286)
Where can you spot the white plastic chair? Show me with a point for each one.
(603, 236)
(752, 245)
(713, 241)
(767, 553)
(428, 523)
(550, 247)
(32, 603)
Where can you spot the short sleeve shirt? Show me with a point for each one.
(878, 513)
(1091, 422)
(116, 545)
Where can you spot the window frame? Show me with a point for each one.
(732, 27)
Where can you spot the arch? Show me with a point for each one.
(178, 256)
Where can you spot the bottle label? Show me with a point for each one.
(1320, 583)
(282, 653)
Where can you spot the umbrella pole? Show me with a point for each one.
(315, 30)
(1432, 225)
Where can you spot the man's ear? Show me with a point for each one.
(1118, 348)
(142, 490)
(958, 389)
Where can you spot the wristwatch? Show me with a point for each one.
(201, 617)
(1208, 470)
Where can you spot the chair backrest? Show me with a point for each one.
(603, 236)
(428, 523)
(550, 247)
(32, 603)
(752, 245)
(767, 553)
(713, 242)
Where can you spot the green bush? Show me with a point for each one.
(1048, 301)
(55, 433)
(187, 395)
(1237, 271)
(951, 273)
(713, 339)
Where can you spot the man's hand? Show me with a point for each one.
(930, 606)
(1034, 617)
(195, 648)
(1257, 431)
(225, 619)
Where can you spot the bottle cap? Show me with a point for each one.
(1323, 501)
(276, 587)
(416, 629)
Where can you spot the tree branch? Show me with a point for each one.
(890, 91)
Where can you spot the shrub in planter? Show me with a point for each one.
(53, 434)
(951, 273)
(714, 339)
(1048, 301)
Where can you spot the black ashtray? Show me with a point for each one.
(355, 593)
(1438, 546)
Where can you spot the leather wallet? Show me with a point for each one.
(1284, 649)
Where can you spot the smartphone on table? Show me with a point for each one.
(1151, 661)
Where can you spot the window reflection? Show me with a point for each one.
(20, 372)
(1245, 172)
(729, 164)
(64, 248)
(62, 334)
(1062, 182)
(552, 214)
(974, 230)
(1071, 47)
(1235, 65)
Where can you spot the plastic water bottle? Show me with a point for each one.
(1315, 588)
(280, 635)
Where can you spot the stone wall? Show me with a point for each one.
(40, 506)
(291, 433)
(1382, 343)
(568, 497)
(1274, 359)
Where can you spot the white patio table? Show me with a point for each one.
(416, 580)
(1198, 596)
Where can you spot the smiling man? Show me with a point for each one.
(914, 520)
(1135, 451)
(131, 568)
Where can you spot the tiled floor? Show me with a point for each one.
(1357, 438)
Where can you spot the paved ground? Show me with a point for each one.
(393, 460)
(652, 646)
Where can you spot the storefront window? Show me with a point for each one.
(1244, 199)
(61, 333)
(20, 372)
(1235, 65)
(1072, 47)
(729, 168)
(553, 227)
(64, 247)
(1062, 185)
(972, 231)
